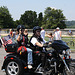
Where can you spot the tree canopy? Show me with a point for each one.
(70, 24)
(5, 18)
(51, 19)
(29, 19)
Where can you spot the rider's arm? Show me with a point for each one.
(39, 44)
(53, 35)
(48, 36)
(19, 36)
(60, 33)
(35, 42)
(12, 34)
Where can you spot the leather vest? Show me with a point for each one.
(36, 48)
(23, 41)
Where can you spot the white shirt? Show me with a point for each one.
(57, 35)
(42, 34)
(13, 34)
(34, 40)
(50, 39)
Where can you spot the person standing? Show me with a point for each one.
(50, 36)
(42, 33)
(57, 34)
(70, 32)
(26, 34)
(11, 33)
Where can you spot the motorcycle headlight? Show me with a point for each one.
(68, 51)
(64, 52)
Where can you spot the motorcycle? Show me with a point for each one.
(58, 60)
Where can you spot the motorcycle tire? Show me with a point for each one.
(71, 67)
(14, 67)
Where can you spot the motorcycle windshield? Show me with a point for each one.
(59, 45)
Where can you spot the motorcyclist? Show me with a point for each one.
(36, 43)
(23, 41)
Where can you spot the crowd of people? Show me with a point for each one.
(55, 35)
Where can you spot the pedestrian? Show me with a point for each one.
(12, 35)
(50, 36)
(57, 34)
(42, 33)
(70, 32)
(26, 34)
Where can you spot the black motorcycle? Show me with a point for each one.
(58, 60)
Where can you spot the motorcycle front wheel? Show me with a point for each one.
(14, 67)
(71, 67)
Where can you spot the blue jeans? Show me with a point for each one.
(30, 59)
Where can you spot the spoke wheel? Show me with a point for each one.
(14, 68)
(72, 69)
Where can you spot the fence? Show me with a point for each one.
(30, 31)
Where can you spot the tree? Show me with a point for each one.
(53, 18)
(16, 23)
(29, 19)
(70, 24)
(40, 19)
(5, 18)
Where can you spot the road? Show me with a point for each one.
(3, 53)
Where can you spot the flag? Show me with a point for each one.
(6, 40)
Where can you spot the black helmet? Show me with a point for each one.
(36, 28)
(20, 27)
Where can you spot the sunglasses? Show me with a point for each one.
(38, 31)
(21, 30)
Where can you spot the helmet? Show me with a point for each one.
(36, 28)
(20, 27)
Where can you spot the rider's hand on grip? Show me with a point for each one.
(45, 45)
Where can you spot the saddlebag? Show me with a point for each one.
(11, 48)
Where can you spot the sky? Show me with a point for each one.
(18, 7)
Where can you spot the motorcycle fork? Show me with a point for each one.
(63, 59)
(38, 67)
